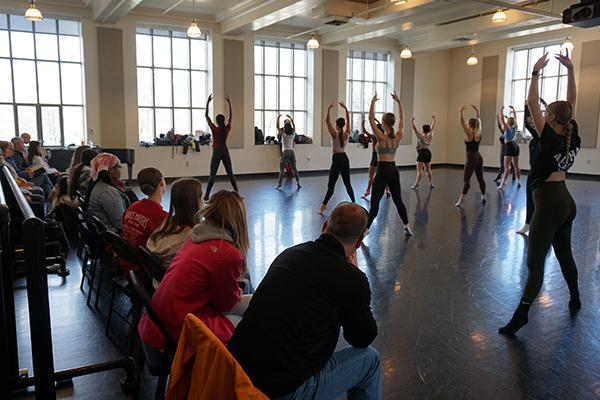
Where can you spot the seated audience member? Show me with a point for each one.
(76, 158)
(103, 199)
(36, 157)
(33, 195)
(79, 176)
(60, 194)
(7, 151)
(144, 216)
(24, 170)
(26, 137)
(287, 338)
(203, 277)
(174, 232)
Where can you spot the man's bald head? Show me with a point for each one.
(347, 223)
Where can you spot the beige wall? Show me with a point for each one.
(465, 88)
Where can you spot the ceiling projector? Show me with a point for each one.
(585, 14)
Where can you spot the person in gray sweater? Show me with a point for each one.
(103, 199)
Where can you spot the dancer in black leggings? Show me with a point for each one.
(474, 162)
(340, 164)
(220, 153)
(554, 208)
(387, 174)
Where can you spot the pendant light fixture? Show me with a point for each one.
(472, 60)
(499, 16)
(312, 43)
(33, 13)
(567, 45)
(399, 1)
(194, 31)
(406, 52)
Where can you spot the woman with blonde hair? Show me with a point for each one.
(554, 208)
(203, 277)
(424, 139)
(388, 140)
(474, 162)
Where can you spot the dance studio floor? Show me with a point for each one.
(438, 297)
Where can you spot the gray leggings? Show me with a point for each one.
(288, 156)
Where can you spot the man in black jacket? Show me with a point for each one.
(287, 337)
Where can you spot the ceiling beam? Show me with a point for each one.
(255, 15)
(110, 10)
(421, 13)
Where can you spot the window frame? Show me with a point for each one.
(140, 28)
(39, 106)
(292, 46)
(509, 92)
(383, 97)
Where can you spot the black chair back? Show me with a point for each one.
(144, 298)
(100, 226)
(123, 248)
(152, 263)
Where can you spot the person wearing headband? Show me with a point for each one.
(103, 199)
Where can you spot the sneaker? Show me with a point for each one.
(414, 187)
(519, 185)
(299, 187)
(407, 230)
(483, 199)
(431, 186)
(277, 187)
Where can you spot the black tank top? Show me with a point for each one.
(472, 145)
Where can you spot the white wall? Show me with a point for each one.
(465, 88)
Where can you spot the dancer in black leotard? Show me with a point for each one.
(424, 140)
(554, 208)
(387, 174)
(340, 164)
(220, 153)
(474, 162)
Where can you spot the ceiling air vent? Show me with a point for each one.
(462, 39)
(335, 21)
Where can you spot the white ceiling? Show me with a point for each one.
(422, 24)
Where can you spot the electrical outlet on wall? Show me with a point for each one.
(588, 162)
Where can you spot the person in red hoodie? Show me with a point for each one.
(144, 216)
(203, 277)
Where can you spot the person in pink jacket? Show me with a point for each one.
(203, 277)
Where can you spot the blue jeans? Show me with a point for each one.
(354, 371)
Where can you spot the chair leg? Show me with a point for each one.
(110, 308)
(99, 289)
(84, 270)
(91, 280)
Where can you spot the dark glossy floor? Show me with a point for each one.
(439, 297)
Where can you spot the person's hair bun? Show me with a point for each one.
(147, 189)
(149, 180)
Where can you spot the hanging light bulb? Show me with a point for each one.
(406, 53)
(33, 13)
(499, 16)
(313, 43)
(399, 1)
(472, 60)
(194, 30)
(567, 45)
